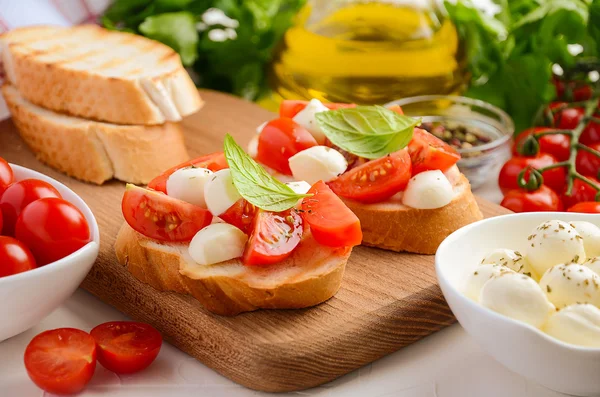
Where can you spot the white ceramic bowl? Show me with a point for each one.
(26, 298)
(520, 347)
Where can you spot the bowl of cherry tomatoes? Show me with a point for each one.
(49, 240)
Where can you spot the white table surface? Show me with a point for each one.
(446, 364)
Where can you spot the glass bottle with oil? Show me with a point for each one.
(368, 52)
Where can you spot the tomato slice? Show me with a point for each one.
(273, 238)
(331, 222)
(376, 180)
(61, 361)
(290, 107)
(279, 140)
(125, 347)
(214, 162)
(160, 217)
(241, 215)
(6, 176)
(428, 152)
(15, 257)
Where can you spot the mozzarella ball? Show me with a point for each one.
(480, 276)
(573, 283)
(187, 184)
(594, 264)
(511, 259)
(300, 187)
(428, 190)
(591, 237)
(577, 324)
(220, 193)
(553, 243)
(218, 242)
(253, 147)
(517, 296)
(453, 174)
(306, 118)
(318, 163)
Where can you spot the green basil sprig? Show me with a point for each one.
(255, 184)
(367, 131)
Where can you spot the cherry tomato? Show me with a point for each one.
(1, 222)
(289, 107)
(15, 257)
(214, 162)
(20, 194)
(125, 347)
(587, 207)
(591, 134)
(587, 163)
(581, 91)
(558, 145)
(331, 222)
(6, 176)
(241, 215)
(569, 119)
(376, 180)
(554, 178)
(273, 238)
(543, 199)
(61, 361)
(396, 108)
(160, 217)
(582, 192)
(428, 152)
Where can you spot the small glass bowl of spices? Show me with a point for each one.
(479, 131)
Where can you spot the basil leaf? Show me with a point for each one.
(255, 184)
(367, 131)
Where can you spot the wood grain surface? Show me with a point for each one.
(387, 300)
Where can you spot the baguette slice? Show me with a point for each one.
(93, 151)
(393, 226)
(97, 74)
(311, 275)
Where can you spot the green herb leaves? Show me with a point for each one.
(367, 131)
(255, 184)
(175, 29)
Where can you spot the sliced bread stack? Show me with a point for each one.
(97, 104)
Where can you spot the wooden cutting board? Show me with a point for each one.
(387, 300)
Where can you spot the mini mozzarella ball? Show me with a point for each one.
(573, 283)
(187, 184)
(428, 190)
(591, 237)
(480, 276)
(552, 243)
(318, 163)
(253, 147)
(307, 119)
(220, 193)
(511, 259)
(517, 296)
(453, 174)
(218, 242)
(300, 187)
(594, 264)
(577, 324)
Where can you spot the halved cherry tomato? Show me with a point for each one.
(125, 347)
(279, 140)
(428, 152)
(15, 257)
(273, 238)
(241, 215)
(331, 222)
(396, 108)
(558, 145)
(61, 361)
(509, 174)
(214, 162)
(52, 228)
(6, 176)
(289, 107)
(542, 199)
(587, 163)
(582, 192)
(20, 194)
(160, 217)
(376, 180)
(587, 207)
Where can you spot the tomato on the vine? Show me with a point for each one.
(568, 119)
(542, 199)
(582, 192)
(581, 90)
(587, 207)
(558, 145)
(587, 163)
(554, 178)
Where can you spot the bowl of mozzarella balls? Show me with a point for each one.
(527, 288)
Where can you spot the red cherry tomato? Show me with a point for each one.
(6, 176)
(160, 217)
(591, 134)
(331, 222)
(554, 178)
(569, 119)
(273, 238)
(376, 180)
(214, 162)
(582, 192)
(581, 91)
(428, 152)
(543, 199)
(15, 257)
(20, 194)
(61, 361)
(279, 140)
(241, 215)
(588, 207)
(125, 347)
(1, 222)
(587, 163)
(289, 107)
(558, 145)
(52, 228)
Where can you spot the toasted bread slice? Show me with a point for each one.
(93, 151)
(311, 275)
(94, 73)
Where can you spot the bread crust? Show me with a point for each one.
(231, 288)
